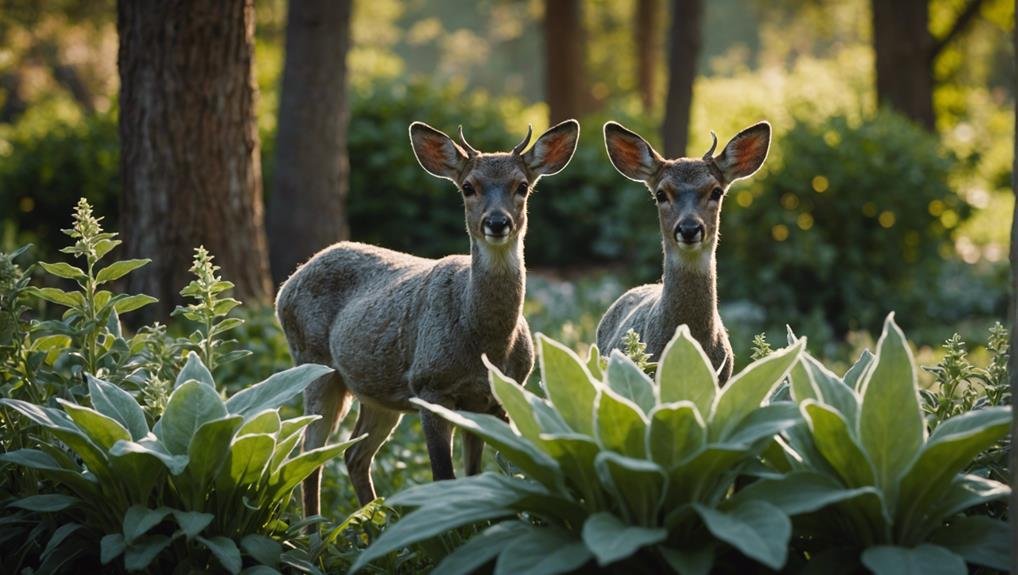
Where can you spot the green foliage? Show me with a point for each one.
(622, 471)
(636, 351)
(761, 348)
(206, 481)
(859, 211)
(884, 499)
(210, 310)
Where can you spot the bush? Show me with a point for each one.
(639, 477)
(856, 220)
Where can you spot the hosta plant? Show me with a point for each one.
(207, 480)
(895, 494)
(615, 469)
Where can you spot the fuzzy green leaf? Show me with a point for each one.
(757, 529)
(612, 540)
(276, 390)
(746, 391)
(981, 540)
(225, 551)
(64, 270)
(112, 401)
(119, 269)
(568, 384)
(194, 369)
(676, 432)
(621, 425)
(629, 381)
(684, 373)
(139, 520)
(190, 406)
(482, 548)
(47, 503)
(922, 560)
(543, 551)
(104, 431)
(834, 440)
(131, 303)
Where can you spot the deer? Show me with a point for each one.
(689, 193)
(395, 326)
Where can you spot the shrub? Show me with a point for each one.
(855, 221)
(204, 481)
(622, 472)
(893, 493)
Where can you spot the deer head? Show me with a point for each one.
(688, 191)
(494, 186)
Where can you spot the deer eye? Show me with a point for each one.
(716, 194)
(468, 190)
(523, 189)
(660, 197)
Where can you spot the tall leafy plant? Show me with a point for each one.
(208, 480)
(620, 470)
(895, 493)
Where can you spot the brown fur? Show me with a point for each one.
(685, 189)
(395, 326)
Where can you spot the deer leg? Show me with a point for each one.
(328, 398)
(378, 424)
(473, 451)
(438, 435)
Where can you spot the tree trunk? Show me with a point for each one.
(189, 161)
(683, 52)
(565, 58)
(647, 13)
(307, 205)
(904, 58)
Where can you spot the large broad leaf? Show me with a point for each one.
(152, 448)
(209, 448)
(47, 503)
(621, 425)
(798, 492)
(291, 426)
(802, 385)
(64, 429)
(834, 440)
(697, 560)
(194, 369)
(979, 539)
(482, 548)
(276, 390)
(765, 422)
(542, 551)
(707, 475)
(684, 373)
(265, 550)
(137, 473)
(629, 381)
(190, 406)
(568, 384)
(138, 555)
(890, 409)
(428, 522)
(63, 270)
(746, 391)
(515, 400)
(611, 540)
(225, 551)
(104, 431)
(82, 484)
(921, 560)
(676, 432)
(499, 435)
(112, 401)
(248, 460)
(139, 520)
(295, 470)
(943, 457)
(496, 489)
(192, 522)
(637, 483)
(594, 362)
(757, 529)
(575, 454)
(833, 390)
(968, 491)
(265, 422)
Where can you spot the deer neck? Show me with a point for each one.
(495, 291)
(689, 293)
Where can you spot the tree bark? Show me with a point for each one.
(565, 57)
(647, 13)
(683, 52)
(307, 204)
(189, 163)
(904, 58)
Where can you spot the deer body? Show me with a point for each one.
(689, 193)
(395, 326)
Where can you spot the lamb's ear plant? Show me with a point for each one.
(204, 486)
(894, 494)
(617, 469)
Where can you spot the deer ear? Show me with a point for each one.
(745, 153)
(631, 155)
(553, 149)
(436, 152)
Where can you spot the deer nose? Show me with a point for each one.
(689, 232)
(498, 225)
